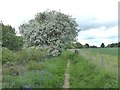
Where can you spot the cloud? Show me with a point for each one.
(96, 23)
(96, 36)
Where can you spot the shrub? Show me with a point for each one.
(7, 56)
(31, 54)
(33, 65)
(36, 54)
(22, 56)
(11, 71)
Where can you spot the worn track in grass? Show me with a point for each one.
(67, 76)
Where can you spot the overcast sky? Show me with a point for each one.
(97, 19)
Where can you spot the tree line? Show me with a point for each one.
(79, 45)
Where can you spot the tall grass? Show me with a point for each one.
(83, 74)
(106, 62)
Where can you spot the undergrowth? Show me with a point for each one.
(38, 74)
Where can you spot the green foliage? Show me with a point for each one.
(28, 54)
(9, 38)
(86, 45)
(24, 55)
(7, 81)
(50, 29)
(7, 56)
(77, 45)
(102, 45)
(13, 71)
(119, 44)
(49, 76)
(74, 45)
(113, 45)
(32, 65)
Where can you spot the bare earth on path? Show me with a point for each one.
(67, 76)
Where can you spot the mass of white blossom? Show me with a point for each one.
(50, 29)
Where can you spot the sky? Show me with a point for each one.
(97, 19)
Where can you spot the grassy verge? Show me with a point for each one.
(83, 74)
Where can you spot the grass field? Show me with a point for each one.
(104, 58)
(108, 51)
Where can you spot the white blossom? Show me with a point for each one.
(49, 29)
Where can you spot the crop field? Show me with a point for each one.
(108, 51)
(90, 68)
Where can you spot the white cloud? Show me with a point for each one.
(16, 12)
(99, 35)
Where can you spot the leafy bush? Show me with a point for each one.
(33, 65)
(11, 71)
(7, 81)
(14, 69)
(22, 56)
(7, 56)
(31, 54)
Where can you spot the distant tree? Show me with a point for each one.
(86, 45)
(51, 29)
(93, 46)
(113, 45)
(102, 45)
(9, 38)
(77, 45)
(119, 44)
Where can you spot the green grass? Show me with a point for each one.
(102, 58)
(86, 70)
(94, 68)
(108, 51)
(83, 74)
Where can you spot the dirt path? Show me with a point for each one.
(67, 76)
